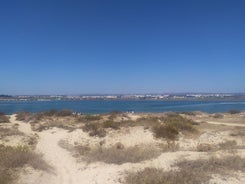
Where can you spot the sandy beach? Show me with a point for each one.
(127, 144)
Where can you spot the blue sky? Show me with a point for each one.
(122, 46)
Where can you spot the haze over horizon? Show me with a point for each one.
(122, 47)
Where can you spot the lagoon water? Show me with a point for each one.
(104, 106)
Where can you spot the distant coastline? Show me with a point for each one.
(165, 97)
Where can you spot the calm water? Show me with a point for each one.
(104, 106)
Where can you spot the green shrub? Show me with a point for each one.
(165, 131)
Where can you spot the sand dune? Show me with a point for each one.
(68, 169)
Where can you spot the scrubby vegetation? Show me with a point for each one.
(238, 132)
(88, 117)
(94, 129)
(218, 116)
(226, 145)
(24, 116)
(165, 131)
(12, 158)
(118, 154)
(234, 111)
(111, 124)
(3, 118)
(191, 172)
(171, 125)
(4, 132)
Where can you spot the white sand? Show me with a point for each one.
(68, 171)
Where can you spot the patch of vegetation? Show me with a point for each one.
(111, 124)
(94, 129)
(50, 124)
(218, 116)
(230, 144)
(234, 111)
(99, 128)
(204, 147)
(3, 118)
(238, 132)
(64, 112)
(179, 122)
(165, 131)
(16, 157)
(226, 145)
(191, 172)
(88, 117)
(119, 154)
(12, 131)
(172, 125)
(114, 114)
(24, 116)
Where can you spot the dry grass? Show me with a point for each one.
(24, 116)
(94, 129)
(119, 154)
(240, 132)
(12, 131)
(191, 172)
(3, 118)
(17, 157)
(204, 147)
(226, 145)
(111, 124)
(88, 117)
(230, 144)
(218, 116)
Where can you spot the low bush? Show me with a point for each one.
(165, 131)
(120, 154)
(88, 117)
(3, 118)
(234, 111)
(4, 132)
(16, 157)
(231, 144)
(171, 125)
(64, 112)
(191, 172)
(179, 122)
(111, 124)
(218, 116)
(24, 116)
(94, 129)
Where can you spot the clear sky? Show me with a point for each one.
(121, 46)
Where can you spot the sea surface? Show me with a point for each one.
(105, 106)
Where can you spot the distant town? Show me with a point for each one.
(179, 96)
